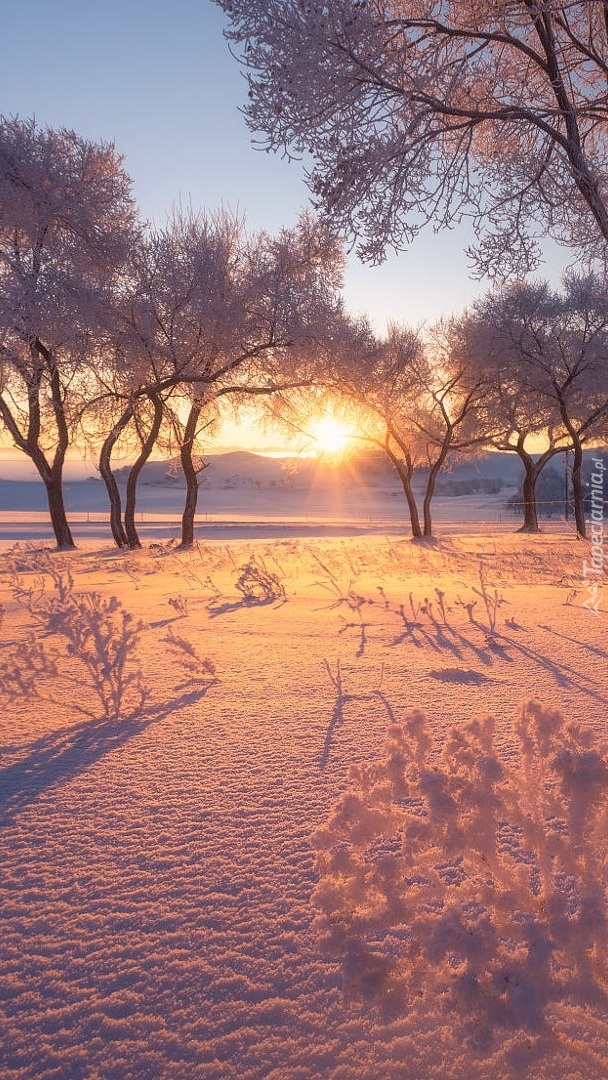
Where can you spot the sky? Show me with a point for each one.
(158, 80)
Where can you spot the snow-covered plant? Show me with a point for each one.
(471, 878)
(198, 580)
(258, 584)
(347, 596)
(98, 635)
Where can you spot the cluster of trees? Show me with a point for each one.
(525, 367)
(118, 336)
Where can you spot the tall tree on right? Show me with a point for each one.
(434, 111)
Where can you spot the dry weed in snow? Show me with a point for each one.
(97, 646)
(480, 887)
(257, 584)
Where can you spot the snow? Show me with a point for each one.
(159, 884)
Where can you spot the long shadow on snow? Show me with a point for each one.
(62, 755)
(337, 718)
(213, 610)
(441, 642)
(563, 674)
(581, 644)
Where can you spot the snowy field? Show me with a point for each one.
(165, 896)
(240, 508)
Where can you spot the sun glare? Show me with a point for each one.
(330, 435)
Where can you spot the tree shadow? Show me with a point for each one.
(410, 633)
(60, 756)
(564, 675)
(361, 629)
(455, 643)
(582, 644)
(337, 716)
(166, 622)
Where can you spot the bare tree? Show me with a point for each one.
(66, 223)
(431, 111)
(577, 373)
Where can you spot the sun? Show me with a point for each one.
(330, 435)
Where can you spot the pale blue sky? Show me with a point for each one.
(157, 78)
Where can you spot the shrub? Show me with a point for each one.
(99, 639)
(471, 878)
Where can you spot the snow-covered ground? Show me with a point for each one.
(157, 888)
(236, 509)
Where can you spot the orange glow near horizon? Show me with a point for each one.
(330, 435)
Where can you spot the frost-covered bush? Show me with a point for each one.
(470, 877)
(82, 641)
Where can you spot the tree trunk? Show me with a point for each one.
(405, 476)
(146, 449)
(190, 476)
(577, 488)
(530, 523)
(52, 477)
(426, 503)
(59, 521)
(577, 466)
(54, 481)
(105, 469)
(29, 443)
(430, 484)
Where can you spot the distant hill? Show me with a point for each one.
(240, 468)
(368, 467)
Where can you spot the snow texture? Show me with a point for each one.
(173, 872)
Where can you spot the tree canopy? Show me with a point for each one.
(433, 111)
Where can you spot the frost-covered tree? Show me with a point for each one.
(213, 311)
(517, 417)
(577, 373)
(67, 221)
(545, 354)
(414, 399)
(438, 111)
